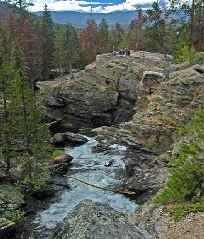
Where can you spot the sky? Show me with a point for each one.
(104, 6)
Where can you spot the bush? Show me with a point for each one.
(185, 54)
(198, 58)
(187, 170)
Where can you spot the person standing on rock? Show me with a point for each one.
(128, 52)
(114, 52)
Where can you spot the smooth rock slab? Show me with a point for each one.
(93, 220)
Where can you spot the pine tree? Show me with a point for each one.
(33, 134)
(31, 49)
(103, 34)
(20, 29)
(136, 33)
(71, 47)
(21, 121)
(155, 28)
(8, 129)
(59, 54)
(89, 41)
(116, 36)
(47, 41)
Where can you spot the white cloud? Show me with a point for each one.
(128, 5)
(73, 5)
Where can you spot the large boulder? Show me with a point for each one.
(69, 138)
(104, 93)
(96, 221)
(60, 164)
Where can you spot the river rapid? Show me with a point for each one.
(90, 167)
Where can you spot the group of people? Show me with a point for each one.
(122, 52)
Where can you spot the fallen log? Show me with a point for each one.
(122, 191)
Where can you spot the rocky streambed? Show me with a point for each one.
(83, 211)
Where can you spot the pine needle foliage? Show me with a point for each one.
(186, 183)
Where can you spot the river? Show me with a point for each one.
(90, 167)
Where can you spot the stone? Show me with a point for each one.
(60, 164)
(75, 139)
(151, 79)
(94, 220)
(100, 137)
(99, 148)
(58, 138)
(68, 138)
(97, 96)
(63, 158)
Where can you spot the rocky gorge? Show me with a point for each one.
(138, 102)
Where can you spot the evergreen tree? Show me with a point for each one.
(116, 36)
(71, 47)
(33, 134)
(21, 120)
(103, 34)
(89, 41)
(8, 129)
(136, 32)
(155, 28)
(187, 172)
(31, 49)
(59, 54)
(47, 41)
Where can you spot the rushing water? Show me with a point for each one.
(89, 166)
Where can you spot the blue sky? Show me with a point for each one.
(104, 6)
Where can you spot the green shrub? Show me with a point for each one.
(198, 58)
(185, 54)
(186, 183)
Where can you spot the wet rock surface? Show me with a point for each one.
(60, 164)
(146, 171)
(68, 138)
(94, 221)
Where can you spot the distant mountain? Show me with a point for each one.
(3, 6)
(79, 19)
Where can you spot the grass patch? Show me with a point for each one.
(57, 152)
